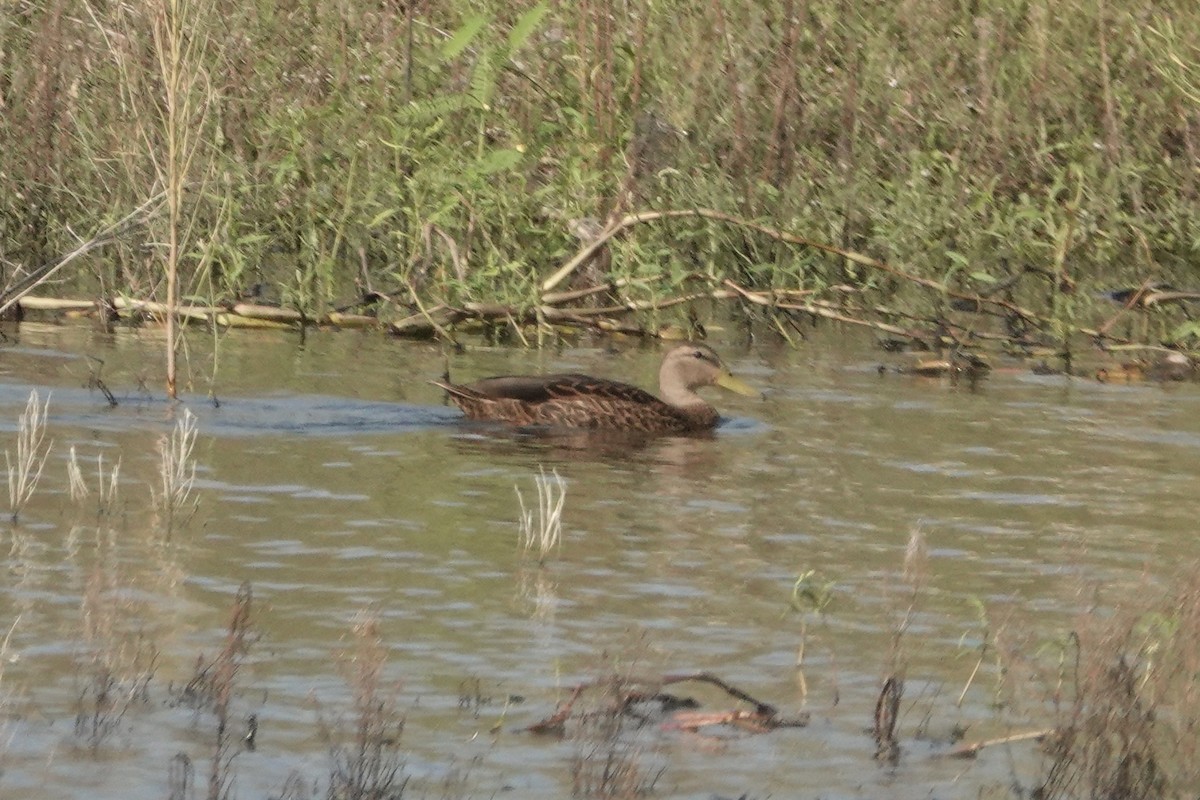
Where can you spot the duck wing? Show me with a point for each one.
(536, 389)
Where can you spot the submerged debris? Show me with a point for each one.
(635, 694)
(1173, 366)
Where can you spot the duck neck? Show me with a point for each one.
(675, 392)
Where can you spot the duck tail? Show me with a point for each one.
(454, 390)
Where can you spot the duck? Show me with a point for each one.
(582, 401)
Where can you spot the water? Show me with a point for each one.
(333, 480)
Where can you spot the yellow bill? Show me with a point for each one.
(727, 381)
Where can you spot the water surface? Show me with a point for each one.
(333, 479)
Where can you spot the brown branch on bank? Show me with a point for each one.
(629, 220)
(440, 319)
(556, 308)
(977, 301)
(765, 299)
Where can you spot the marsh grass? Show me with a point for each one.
(1129, 713)
(615, 745)
(367, 761)
(179, 148)
(106, 484)
(25, 470)
(612, 721)
(181, 776)
(915, 577)
(76, 486)
(213, 690)
(443, 151)
(541, 526)
(177, 472)
(119, 661)
(222, 674)
(7, 656)
(811, 597)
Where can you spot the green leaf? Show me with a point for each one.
(525, 26)
(982, 277)
(499, 161)
(1186, 330)
(431, 110)
(483, 80)
(463, 37)
(380, 217)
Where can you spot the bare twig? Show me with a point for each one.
(112, 233)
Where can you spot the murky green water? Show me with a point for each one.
(333, 480)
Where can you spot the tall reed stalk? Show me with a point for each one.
(180, 32)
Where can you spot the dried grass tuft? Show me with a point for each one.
(177, 472)
(541, 526)
(25, 472)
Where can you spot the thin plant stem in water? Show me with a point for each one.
(541, 526)
(6, 657)
(108, 486)
(75, 484)
(23, 475)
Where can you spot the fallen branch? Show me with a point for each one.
(693, 721)
(971, 750)
(630, 220)
(729, 689)
(764, 716)
(975, 301)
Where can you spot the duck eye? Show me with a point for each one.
(698, 354)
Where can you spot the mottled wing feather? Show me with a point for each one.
(575, 401)
(542, 388)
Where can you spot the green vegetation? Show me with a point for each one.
(456, 152)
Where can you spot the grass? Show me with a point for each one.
(541, 526)
(25, 470)
(180, 33)
(442, 154)
(7, 730)
(76, 486)
(1126, 723)
(367, 762)
(213, 689)
(177, 471)
(118, 663)
(613, 756)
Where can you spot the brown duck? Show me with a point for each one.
(581, 401)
